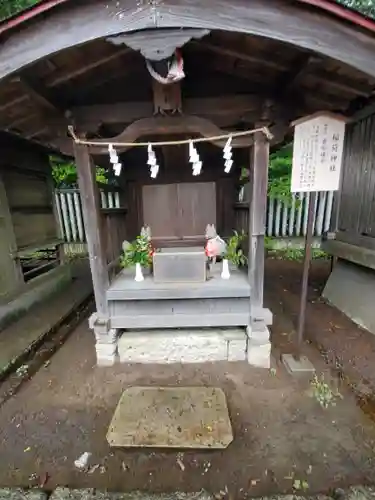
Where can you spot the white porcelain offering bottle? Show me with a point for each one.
(138, 272)
(225, 274)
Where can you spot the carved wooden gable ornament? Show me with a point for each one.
(160, 48)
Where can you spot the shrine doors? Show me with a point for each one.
(177, 212)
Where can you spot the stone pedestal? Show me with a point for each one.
(180, 265)
(259, 346)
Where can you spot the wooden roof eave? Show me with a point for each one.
(288, 23)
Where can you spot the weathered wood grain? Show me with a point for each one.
(93, 226)
(158, 45)
(127, 112)
(10, 269)
(257, 216)
(167, 125)
(76, 24)
(355, 206)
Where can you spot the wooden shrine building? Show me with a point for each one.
(29, 242)
(104, 68)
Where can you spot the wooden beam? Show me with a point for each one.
(340, 85)
(242, 56)
(85, 68)
(166, 125)
(257, 216)
(40, 95)
(93, 226)
(70, 75)
(167, 98)
(127, 112)
(81, 22)
(288, 79)
(169, 125)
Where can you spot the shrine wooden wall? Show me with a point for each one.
(26, 211)
(356, 221)
(174, 168)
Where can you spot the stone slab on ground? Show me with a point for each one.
(19, 337)
(20, 494)
(171, 417)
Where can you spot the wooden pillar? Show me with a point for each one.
(11, 277)
(257, 216)
(93, 226)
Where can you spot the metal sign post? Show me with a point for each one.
(317, 155)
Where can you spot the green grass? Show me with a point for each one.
(296, 254)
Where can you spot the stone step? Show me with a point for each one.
(189, 345)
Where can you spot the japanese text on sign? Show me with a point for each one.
(317, 154)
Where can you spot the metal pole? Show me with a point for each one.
(305, 277)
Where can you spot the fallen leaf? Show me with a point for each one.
(27, 449)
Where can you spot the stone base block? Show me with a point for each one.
(106, 338)
(106, 354)
(259, 355)
(237, 350)
(297, 367)
(258, 336)
(259, 346)
(106, 360)
(182, 346)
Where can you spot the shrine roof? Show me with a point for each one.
(333, 6)
(230, 75)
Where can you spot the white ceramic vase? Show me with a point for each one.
(225, 274)
(138, 272)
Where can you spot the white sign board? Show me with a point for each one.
(317, 153)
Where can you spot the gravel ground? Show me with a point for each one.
(283, 438)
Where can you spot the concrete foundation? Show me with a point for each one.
(182, 345)
(351, 288)
(259, 346)
(34, 293)
(297, 367)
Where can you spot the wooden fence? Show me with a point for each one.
(284, 220)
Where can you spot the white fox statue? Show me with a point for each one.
(216, 246)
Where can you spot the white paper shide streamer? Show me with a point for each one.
(152, 162)
(227, 155)
(113, 158)
(194, 159)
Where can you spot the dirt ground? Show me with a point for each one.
(281, 432)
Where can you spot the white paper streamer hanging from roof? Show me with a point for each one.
(152, 162)
(227, 154)
(194, 159)
(114, 159)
